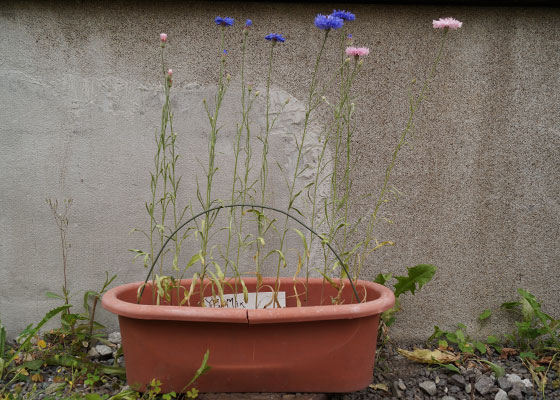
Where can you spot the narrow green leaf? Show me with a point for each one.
(510, 305)
(460, 335)
(194, 259)
(485, 315)
(2, 343)
(497, 369)
(52, 295)
(202, 370)
(450, 367)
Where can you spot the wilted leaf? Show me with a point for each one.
(427, 356)
(37, 377)
(379, 386)
(545, 360)
(506, 352)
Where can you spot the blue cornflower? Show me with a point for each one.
(226, 21)
(225, 52)
(275, 37)
(248, 23)
(327, 22)
(343, 14)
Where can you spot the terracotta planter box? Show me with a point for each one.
(313, 348)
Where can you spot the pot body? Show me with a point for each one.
(312, 348)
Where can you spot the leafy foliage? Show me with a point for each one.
(418, 275)
(536, 330)
(460, 338)
(416, 278)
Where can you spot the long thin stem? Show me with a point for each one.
(414, 106)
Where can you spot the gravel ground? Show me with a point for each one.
(395, 377)
(413, 381)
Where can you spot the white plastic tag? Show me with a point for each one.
(264, 300)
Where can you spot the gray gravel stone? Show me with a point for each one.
(528, 384)
(115, 337)
(103, 350)
(468, 388)
(520, 386)
(501, 395)
(505, 383)
(515, 394)
(401, 385)
(93, 353)
(484, 384)
(397, 392)
(454, 389)
(448, 398)
(458, 379)
(429, 387)
(513, 378)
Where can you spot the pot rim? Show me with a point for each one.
(384, 301)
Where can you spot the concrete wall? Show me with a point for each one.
(80, 102)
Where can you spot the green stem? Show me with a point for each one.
(402, 140)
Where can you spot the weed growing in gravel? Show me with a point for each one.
(535, 341)
(78, 331)
(537, 331)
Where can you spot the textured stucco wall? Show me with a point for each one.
(80, 102)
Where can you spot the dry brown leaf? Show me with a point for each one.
(37, 378)
(545, 360)
(379, 386)
(427, 356)
(471, 364)
(506, 352)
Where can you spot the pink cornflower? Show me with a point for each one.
(357, 51)
(163, 37)
(449, 23)
(169, 77)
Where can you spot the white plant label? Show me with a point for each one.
(264, 300)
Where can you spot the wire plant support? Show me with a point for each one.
(218, 208)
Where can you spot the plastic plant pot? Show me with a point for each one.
(310, 348)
